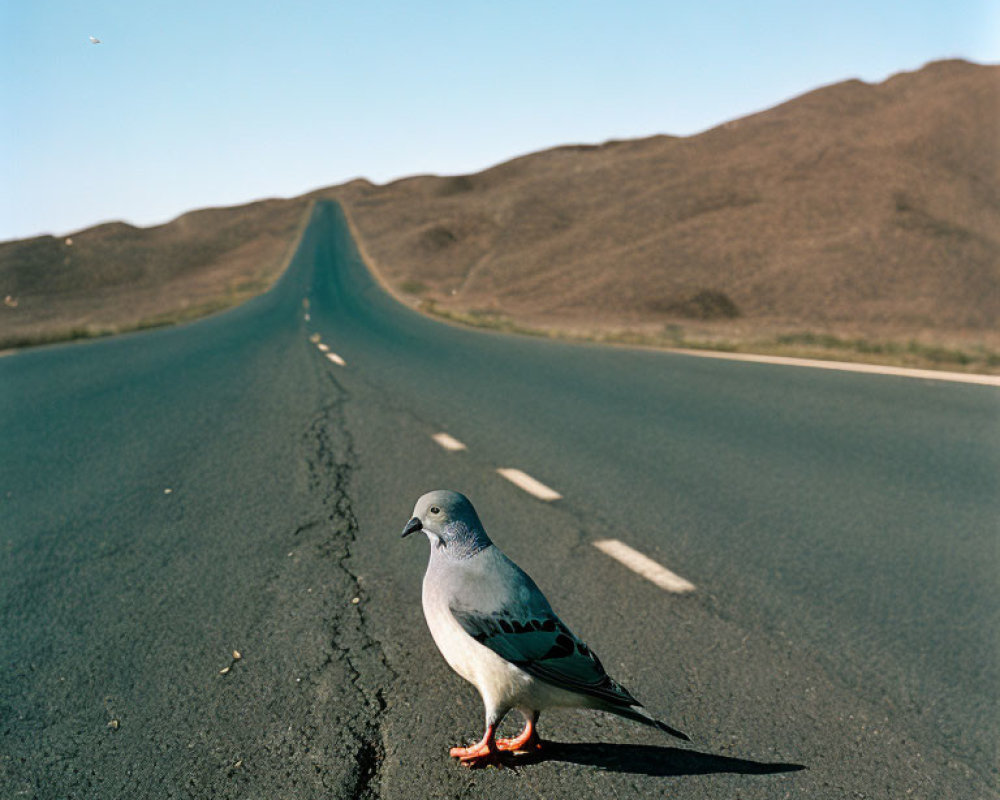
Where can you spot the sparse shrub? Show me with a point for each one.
(455, 185)
(902, 202)
(704, 304)
(436, 238)
(413, 286)
(938, 354)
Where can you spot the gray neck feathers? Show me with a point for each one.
(461, 541)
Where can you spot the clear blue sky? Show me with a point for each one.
(190, 104)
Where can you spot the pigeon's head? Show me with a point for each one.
(450, 521)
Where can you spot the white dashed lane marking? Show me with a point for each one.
(323, 347)
(524, 481)
(448, 442)
(644, 566)
(336, 359)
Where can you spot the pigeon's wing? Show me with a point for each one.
(544, 647)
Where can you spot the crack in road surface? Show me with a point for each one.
(331, 463)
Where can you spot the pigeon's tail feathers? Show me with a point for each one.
(672, 731)
(640, 714)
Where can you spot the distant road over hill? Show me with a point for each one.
(240, 483)
(858, 219)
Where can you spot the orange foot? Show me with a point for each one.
(526, 741)
(481, 760)
(480, 755)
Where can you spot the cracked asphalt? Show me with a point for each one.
(170, 497)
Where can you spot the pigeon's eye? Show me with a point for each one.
(435, 510)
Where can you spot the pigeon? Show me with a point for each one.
(94, 40)
(495, 628)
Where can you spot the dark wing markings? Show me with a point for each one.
(541, 656)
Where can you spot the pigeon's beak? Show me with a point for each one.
(412, 526)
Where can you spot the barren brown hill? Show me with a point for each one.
(874, 207)
(116, 276)
(861, 216)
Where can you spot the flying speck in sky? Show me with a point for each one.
(94, 40)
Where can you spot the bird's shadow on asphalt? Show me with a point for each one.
(651, 760)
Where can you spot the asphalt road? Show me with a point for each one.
(169, 497)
